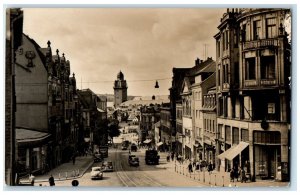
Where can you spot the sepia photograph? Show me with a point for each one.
(126, 97)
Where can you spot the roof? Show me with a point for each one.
(144, 102)
(38, 49)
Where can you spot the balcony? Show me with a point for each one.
(260, 44)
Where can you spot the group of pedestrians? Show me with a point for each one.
(239, 174)
(32, 180)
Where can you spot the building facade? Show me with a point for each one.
(165, 128)
(120, 90)
(253, 94)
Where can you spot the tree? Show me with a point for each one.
(113, 129)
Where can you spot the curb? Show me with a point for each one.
(64, 179)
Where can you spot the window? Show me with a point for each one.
(227, 134)
(266, 137)
(267, 66)
(271, 108)
(223, 41)
(243, 33)
(219, 75)
(244, 135)
(225, 73)
(220, 132)
(256, 30)
(250, 69)
(227, 39)
(235, 135)
(271, 27)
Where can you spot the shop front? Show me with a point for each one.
(267, 155)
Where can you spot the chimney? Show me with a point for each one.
(197, 62)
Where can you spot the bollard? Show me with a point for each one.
(215, 179)
(223, 179)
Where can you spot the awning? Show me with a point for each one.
(147, 141)
(100, 110)
(159, 144)
(31, 137)
(233, 151)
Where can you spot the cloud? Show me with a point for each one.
(144, 43)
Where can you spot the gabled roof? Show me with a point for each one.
(38, 49)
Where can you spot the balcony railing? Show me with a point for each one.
(268, 82)
(250, 83)
(260, 43)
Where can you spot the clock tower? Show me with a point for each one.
(120, 90)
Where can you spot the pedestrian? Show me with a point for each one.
(31, 179)
(168, 158)
(209, 168)
(190, 167)
(194, 162)
(51, 181)
(232, 175)
(239, 173)
(73, 158)
(172, 156)
(243, 176)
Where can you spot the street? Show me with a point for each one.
(127, 176)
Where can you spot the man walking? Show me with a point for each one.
(51, 181)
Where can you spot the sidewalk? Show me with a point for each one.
(215, 178)
(66, 171)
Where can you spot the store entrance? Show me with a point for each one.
(267, 160)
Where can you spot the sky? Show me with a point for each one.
(144, 43)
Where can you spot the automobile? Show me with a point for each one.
(98, 157)
(133, 147)
(131, 156)
(134, 162)
(107, 166)
(124, 147)
(96, 173)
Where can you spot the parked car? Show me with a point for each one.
(107, 166)
(134, 162)
(98, 157)
(96, 173)
(124, 147)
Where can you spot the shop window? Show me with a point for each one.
(267, 65)
(271, 27)
(272, 137)
(250, 69)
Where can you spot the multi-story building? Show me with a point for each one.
(120, 90)
(253, 94)
(203, 78)
(149, 116)
(14, 30)
(176, 109)
(95, 132)
(46, 107)
(210, 124)
(187, 123)
(165, 128)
